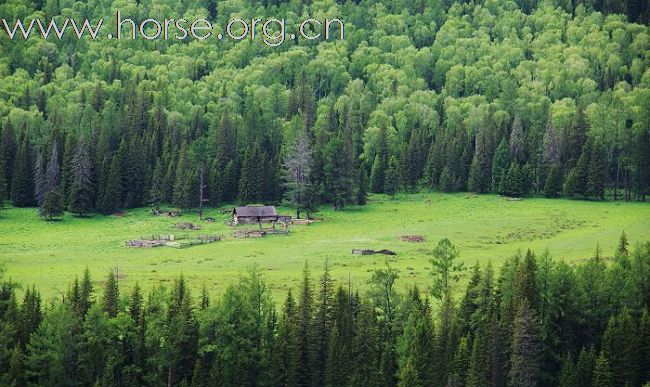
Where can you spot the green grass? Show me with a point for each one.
(50, 254)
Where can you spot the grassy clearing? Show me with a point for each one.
(50, 254)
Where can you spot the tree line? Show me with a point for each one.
(512, 97)
(538, 322)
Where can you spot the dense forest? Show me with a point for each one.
(539, 322)
(515, 97)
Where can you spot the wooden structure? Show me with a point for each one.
(372, 252)
(260, 215)
(254, 214)
(176, 241)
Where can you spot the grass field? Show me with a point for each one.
(50, 254)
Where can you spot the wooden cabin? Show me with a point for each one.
(254, 214)
(261, 215)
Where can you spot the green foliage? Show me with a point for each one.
(444, 268)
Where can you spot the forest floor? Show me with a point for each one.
(487, 227)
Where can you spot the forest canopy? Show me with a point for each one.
(515, 97)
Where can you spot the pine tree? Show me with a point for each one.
(155, 192)
(110, 300)
(585, 367)
(597, 173)
(380, 164)
(621, 347)
(577, 180)
(112, 190)
(39, 178)
(526, 350)
(52, 205)
(8, 150)
(514, 181)
(298, 164)
(500, 164)
(392, 178)
(80, 199)
(526, 281)
(480, 177)
(338, 178)
(424, 354)
(251, 176)
(409, 376)
(602, 376)
(516, 143)
(305, 334)
(553, 183)
(323, 325)
(362, 187)
(460, 363)
(568, 376)
(479, 369)
(22, 186)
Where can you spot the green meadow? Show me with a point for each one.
(50, 254)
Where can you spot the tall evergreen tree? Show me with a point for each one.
(597, 173)
(81, 189)
(39, 178)
(8, 150)
(338, 178)
(380, 164)
(52, 205)
(300, 192)
(110, 299)
(602, 376)
(526, 350)
(392, 178)
(251, 176)
(22, 191)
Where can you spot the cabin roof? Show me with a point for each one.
(255, 211)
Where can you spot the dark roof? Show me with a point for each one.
(255, 211)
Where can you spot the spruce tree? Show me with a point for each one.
(22, 185)
(460, 363)
(3, 183)
(380, 164)
(338, 178)
(516, 143)
(80, 199)
(250, 181)
(299, 192)
(500, 164)
(110, 299)
(305, 332)
(621, 347)
(323, 325)
(39, 178)
(526, 349)
(514, 181)
(553, 183)
(568, 376)
(424, 353)
(52, 205)
(362, 187)
(409, 376)
(597, 173)
(581, 173)
(8, 150)
(392, 178)
(602, 376)
(585, 367)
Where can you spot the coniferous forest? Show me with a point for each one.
(518, 97)
(539, 322)
(513, 97)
